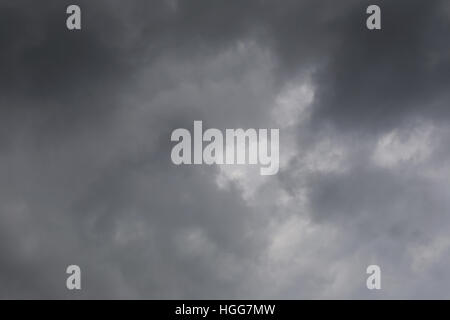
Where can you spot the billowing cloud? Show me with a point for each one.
(85, 169)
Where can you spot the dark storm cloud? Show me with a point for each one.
(44, 62)
(85, 151)
(54, 82)
(87, 189)
(376, 79)
(59, 80)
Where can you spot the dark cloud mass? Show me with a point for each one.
(87, 179)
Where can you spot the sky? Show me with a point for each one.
(86, 176)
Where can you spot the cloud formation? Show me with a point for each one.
(85, 169)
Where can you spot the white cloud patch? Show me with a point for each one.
(404, 146)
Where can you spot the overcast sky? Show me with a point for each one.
(86, 176)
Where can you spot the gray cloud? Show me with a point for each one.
(85, 166)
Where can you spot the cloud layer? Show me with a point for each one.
(85, 169)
